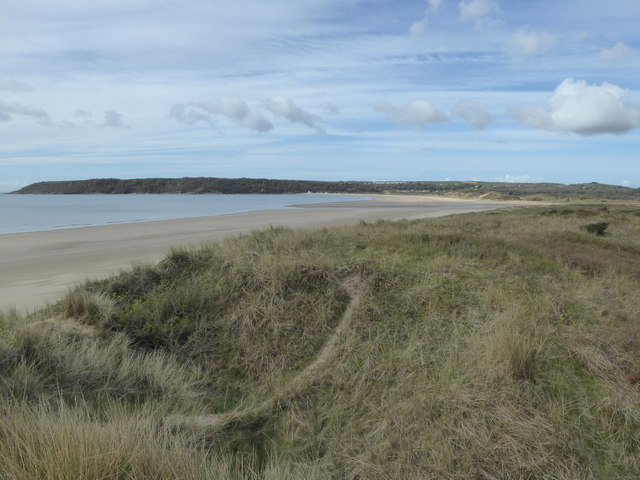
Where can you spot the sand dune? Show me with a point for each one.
(39, 267)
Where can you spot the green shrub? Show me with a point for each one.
(597, 228)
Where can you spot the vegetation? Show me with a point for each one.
(598, 228)
(501, 344)
(489, 190)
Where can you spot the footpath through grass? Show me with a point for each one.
(503, 344)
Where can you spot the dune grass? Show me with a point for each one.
(496, 345)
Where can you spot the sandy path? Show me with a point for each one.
(208, 424)
(39, 267)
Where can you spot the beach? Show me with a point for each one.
(39, 267)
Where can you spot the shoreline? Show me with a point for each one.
(39, 267)
(150, 210)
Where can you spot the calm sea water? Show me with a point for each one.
(31, 213)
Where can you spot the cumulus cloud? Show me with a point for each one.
(238, 111)
(527, 43)
(619, 53)
(476, 10)
(473, 113)
(114, 119)
(575, 106)
(287, 108)
(9, 110)
(416, 114)
(233, 109)
(12, 85)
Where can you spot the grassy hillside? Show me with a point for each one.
(489, 190)
(501, 344)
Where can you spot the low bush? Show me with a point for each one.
(598, 228)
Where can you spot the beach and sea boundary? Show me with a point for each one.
(39, 267)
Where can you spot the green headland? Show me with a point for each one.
(490, 190)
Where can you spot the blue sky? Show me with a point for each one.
(516, 90)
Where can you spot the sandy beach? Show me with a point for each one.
(39, 267)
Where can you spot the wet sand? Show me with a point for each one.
(39, 267)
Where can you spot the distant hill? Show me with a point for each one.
(202, 185)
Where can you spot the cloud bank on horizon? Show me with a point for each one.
(331, 89)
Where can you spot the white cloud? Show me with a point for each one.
(286, 108)
(416, 114)
(578, 107)
(527, 43)
(475, 10)
(114, 119)
(232, 108)
(435, 4)
(9, 110)
(13, 85)
(238, 111)
(473, 113)
(619, 53)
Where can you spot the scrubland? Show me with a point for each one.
(502, 344)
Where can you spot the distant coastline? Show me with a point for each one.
(213, 185)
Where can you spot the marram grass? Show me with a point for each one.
(494, 345)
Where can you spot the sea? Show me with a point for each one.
(33, 213)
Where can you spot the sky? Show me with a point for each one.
(382, 90)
